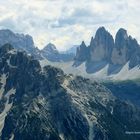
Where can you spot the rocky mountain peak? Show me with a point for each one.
(83, 45)
(50, 48)
(102, 35)
(100, 31)
(101, 46)
(122, 32)
(82, 52)
(51, 53)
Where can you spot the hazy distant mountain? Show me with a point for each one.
(43, 103)
(51, 53)
(72, 50)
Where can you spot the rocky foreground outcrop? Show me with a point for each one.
(44, 103)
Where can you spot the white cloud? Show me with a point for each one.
(68, 22)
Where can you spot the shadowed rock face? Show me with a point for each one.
(82, 52)
(44, 103)
(50, 52)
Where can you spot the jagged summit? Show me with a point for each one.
(51, 53)
(122, 32)
(101, 46)
(91, 41)
(83, 44)
(100, 30)
(50, 48)
(82, 52)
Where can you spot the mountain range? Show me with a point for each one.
(104, 58)
(25, 43)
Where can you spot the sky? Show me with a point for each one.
(68, 22)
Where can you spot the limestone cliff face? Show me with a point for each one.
(101, 46)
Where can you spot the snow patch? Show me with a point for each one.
(112, 110)
(13, 51)
(91, 132)
(3, 82)
(6, 109)
(9, 64)
(12, 137)
(61, 136)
